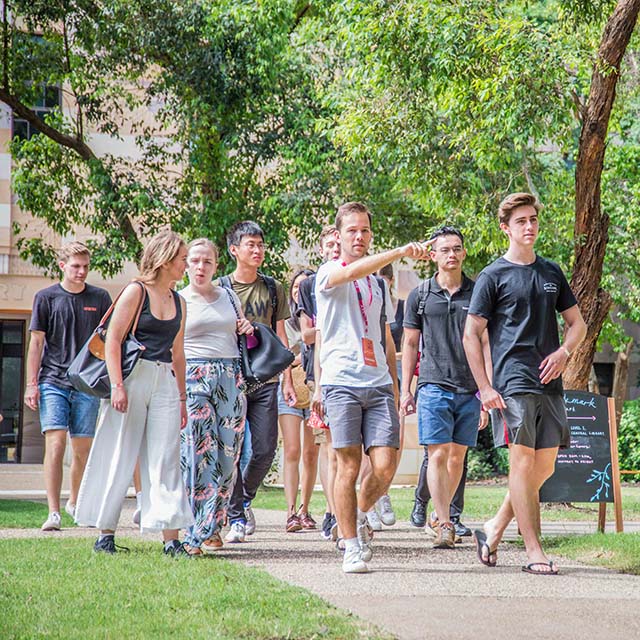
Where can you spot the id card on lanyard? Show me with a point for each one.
(368, 351)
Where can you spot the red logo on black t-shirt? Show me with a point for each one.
(90, 308)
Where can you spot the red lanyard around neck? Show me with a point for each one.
(363, 311)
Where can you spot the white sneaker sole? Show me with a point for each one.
(51, 527)
(356, 567)
(388, 521)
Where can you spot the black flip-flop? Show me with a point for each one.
(480, 538)
(552, 570)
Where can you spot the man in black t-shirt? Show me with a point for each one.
(63, 318)
(307, 310)
(449, 413)
(516, 298)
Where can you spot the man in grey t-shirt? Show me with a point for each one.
(357, 389)
(516, 298)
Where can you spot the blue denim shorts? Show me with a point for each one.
(284, 408)
(67, 409)
(445, 416)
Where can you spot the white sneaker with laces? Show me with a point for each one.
(353, 562)
(236, 533)
(364, 539)
(52, 523)
(385, 510)
(70, 509)
(250, 527)
(374, 520)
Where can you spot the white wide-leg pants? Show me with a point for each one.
(150, 430)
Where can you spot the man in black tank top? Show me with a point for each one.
(245, 242)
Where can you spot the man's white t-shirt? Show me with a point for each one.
(342, 328)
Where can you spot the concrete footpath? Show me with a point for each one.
(415, 592)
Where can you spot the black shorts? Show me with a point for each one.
(532, 420)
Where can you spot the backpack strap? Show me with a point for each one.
(273, 294)
(423, 294)
(225, 281)
(383, 312)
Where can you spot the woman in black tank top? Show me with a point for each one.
(147, 410)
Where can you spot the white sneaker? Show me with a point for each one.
(138, 511)
(364, 539)
(353, 562)
(374, 520)
(385, 510)
(250, 527)
(52, 523)
(70, 509)
(236, 533)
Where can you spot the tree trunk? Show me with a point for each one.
(592, 225)
(621, 378)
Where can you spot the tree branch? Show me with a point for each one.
(300, 16)
(78, 145)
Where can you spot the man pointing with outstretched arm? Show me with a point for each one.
(358, 374)
(516, 298)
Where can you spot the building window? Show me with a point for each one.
(50, 99)
(11, 388)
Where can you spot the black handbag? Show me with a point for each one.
(266, 358)
(88, 371)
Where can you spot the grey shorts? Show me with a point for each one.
(362, 416)
(533, 420)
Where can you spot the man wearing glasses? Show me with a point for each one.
(263, 300)
(449, 415)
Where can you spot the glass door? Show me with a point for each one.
(11, 388)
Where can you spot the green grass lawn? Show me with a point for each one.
(61, 589)
(620, 551)
(481, 501)
(25, 514)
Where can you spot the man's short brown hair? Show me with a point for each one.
(347, 209)
(329, 230)
(70, 249)
(513, 201)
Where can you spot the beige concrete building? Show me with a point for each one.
(20, 438)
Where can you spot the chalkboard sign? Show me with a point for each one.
(584, 471)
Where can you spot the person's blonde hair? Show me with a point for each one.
(161, 250)
(515, 200)
(204, 242)
(74, 248)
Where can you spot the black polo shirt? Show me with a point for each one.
(443, 361)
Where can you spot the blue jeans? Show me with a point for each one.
(445, 416)
(68, 409)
